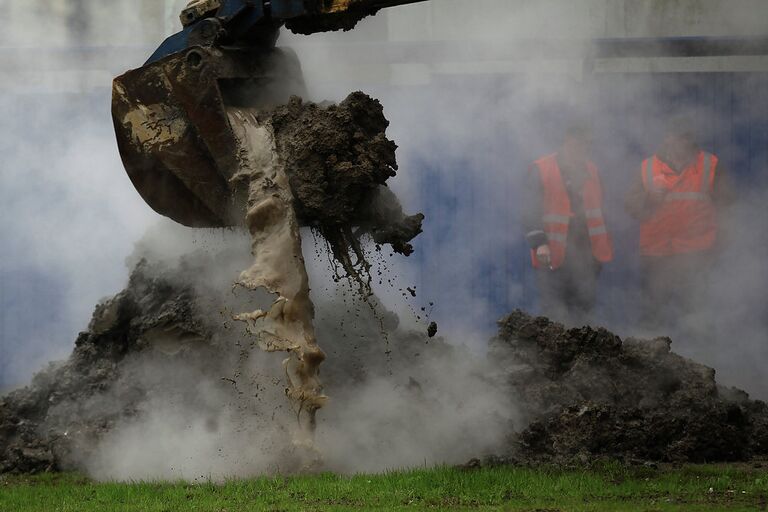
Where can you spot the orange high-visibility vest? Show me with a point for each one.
(685, 222)
(558, 213)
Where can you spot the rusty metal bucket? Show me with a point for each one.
(173, 131)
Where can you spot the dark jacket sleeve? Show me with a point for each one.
(724, 193)
(724, 196)
(531, 209)
(637, 202)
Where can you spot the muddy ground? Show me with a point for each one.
(73, 402)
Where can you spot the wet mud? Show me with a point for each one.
(320, 166)
(338, 160)
(279, 268)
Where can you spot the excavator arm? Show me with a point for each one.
(255, 22)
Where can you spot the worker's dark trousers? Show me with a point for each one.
(674, 293)
(568, 294)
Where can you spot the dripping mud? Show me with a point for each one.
(324, 167)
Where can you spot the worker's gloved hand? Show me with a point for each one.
(543, 256)
(659, 190)
(657, 196)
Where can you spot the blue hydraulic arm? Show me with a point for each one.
(256, 22)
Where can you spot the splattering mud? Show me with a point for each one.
(271, 164)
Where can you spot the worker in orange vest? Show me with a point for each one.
(677, 195)
(565, 227)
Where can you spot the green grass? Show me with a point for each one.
(609, 487)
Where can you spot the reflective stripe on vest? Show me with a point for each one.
(557, 212)
(686, 196)
(599, 230)
(552, 218)
(648, 175)
(707, 175)
(557, 237)
(595, 213)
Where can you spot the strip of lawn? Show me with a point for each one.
(609, 487)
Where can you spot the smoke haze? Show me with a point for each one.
(490, 91)
(474, 94)
(397, 399)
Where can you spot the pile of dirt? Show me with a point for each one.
(338, 159)
(588, 394)
(169, 331)
(71, 403)
(582, 394)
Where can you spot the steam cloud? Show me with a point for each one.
(467, 133)
(469, 126)
(397, 399)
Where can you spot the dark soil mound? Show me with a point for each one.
(74, 401)
(589, 394)
(584, 393)
(171, 328)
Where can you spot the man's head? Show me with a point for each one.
(577, 145)
(680, 140)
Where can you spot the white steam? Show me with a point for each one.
(427, 403)
(475, 90)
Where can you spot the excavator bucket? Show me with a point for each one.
(170, 116)
(173, 131)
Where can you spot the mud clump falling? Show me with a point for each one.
(325, 167)
(338, 160)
